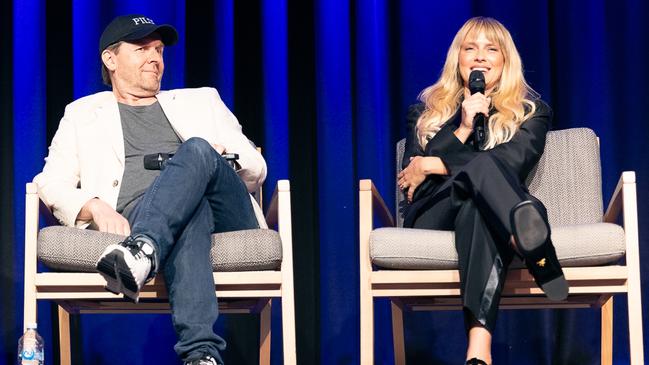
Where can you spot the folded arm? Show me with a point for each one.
(104, 217)
(230, 136)
(446, 152)
(417, 165)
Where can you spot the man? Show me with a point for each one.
(95, 176)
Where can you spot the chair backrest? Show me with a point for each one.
(567, 179)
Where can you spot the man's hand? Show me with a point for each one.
(105, 217)
(219, 148)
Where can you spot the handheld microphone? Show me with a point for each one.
(477, 85)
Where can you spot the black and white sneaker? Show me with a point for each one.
(205, 360)
(127, 265)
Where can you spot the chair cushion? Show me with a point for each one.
(422, 249)
(71, 249)
(568, 178)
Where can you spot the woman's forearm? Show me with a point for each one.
(463, 133)
(434, 165)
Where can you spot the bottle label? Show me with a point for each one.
(30, 362)
(30, 354)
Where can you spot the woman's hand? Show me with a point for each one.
(417, 170)
(472, 105)
(413, 175)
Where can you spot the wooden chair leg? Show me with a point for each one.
(607, 332)
(635, 326)
(29, 307)
(397, 334)
(64, 336)
(367, 328)
(264, 334)
(288, 328)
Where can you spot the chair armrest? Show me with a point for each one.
(615, 205)
(279, 214)
(34, 208)
(625, 199)
(31, 225)
(45, 212)
(282, 190)
(369, 203)
(377, 205)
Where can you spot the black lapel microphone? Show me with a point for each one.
(477, 85)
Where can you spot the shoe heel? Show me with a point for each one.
(107, 268)
(128, 286)
(531, 232)
(475, 361)
(117, 275)
(112, 286)
(129, 294)
(556, 289)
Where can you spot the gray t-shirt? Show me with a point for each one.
(146, 130)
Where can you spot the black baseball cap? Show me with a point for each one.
(133, 27)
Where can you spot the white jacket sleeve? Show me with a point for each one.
(230, 135)
(58, 183)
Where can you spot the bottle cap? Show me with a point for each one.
(32, 325)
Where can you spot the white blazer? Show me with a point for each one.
(86, 157)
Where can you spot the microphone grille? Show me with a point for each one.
(476, 82)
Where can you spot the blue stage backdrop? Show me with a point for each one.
(323, 87)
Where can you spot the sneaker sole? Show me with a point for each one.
(117, 274)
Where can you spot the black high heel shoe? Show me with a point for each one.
(475, 361)
(531, 232)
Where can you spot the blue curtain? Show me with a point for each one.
(323, 87)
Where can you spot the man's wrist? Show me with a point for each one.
(87, 210)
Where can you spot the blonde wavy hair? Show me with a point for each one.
(509, 97)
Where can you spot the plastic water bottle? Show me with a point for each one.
(30, 347)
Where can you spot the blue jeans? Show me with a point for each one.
(196, 194)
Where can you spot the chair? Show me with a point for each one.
(247, 277)
(417, 269)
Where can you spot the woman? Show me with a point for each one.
(454, 182)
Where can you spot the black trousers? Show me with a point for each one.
(476, 203)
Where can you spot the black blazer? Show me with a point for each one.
(520, 154)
